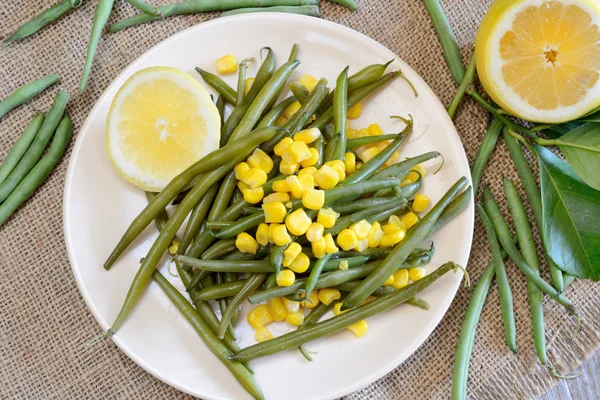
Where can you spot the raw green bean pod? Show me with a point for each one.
(460, 93)
(458, 204)
(44, 18)
(144, 7)
(26, 93)
(101, 15)
(20, 147)
(486, 148)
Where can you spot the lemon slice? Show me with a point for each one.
(540, 60)
(160, 122)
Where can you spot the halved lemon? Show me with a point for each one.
(160, 122)
(540, 60)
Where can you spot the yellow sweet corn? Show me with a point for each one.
(362, 245)
(352, 133)
(381, 145)
(390, 228)
(337, 309)
(291, 253)
(319, 247)
(391, 239)
(420, 203)
(315, 232)
(296, 153)
(288, 169)
(375, 130)
(281, 121)
(255, 177)
(327, 177)
(394, 219)
(405, 182)
(375, 235)
(308, 81)
(270, 232)
(242, 186)
(414, 176)
(416, 273)
(313, 199)
(307, 182)
(295, 186)
(330, 246)
(314, 158)
(291, 109)
(327, 295)
(248, 85)
(277, 309)
(281, 186)
(289, 204)
(241, 170)
(307, 171)
(307, 135)
(312, 301)
(259, 316)
(226, 64)
(390, 280)
(260, 159)
(339, 167)
(361, 228)
(359, 329)
(355, 111)
(281, 237)
(286, 278)
(410, 219)
(253, 196)
(347, 239)
(282, 146)
(291, 306)
(343, 265)
(274, 212)
(369, 153)
(298, 222)
(262, 234)
(295, 318)
(350, 162)
(400, 278)
(281, 197)
(246, 243)
(394, 159)
(300, 263)
(262, 334)
(363, 132)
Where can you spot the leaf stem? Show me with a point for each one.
(460, 93)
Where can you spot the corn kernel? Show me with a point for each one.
(295, 318)
(350, 162)
(307, 182)
(295, 186)
(281, 186)
(296, 153)
(375, 130)
(375, 235)
(241, 170)
(260, 159)
(361, 228)
(286, 278)
(405, 182)
(326, 177)
(358, 165)
(416, 173)
(242, 186)
(382, 146)
(262, 234)
(355, 111)
(416, 273)
(300, 263)
(389, 281)
(226, 64)
(248, 85)
(314, 158)
(308, 81)
(291, 109)
(391, 239)
(352, 133)
(281, 197)
(291, 253)
(307, 135)
(270, 232)
(312, 301)
(327, 295)
(420, 203)
(291, 306)
(319, 248)
(394, 159)
(255, 177)
(288, 169)
(315, 232)
(298, 222)
(281, 237)
(363, 132)
(347, 239)
(253, 196)
(394, 219)
(343, 265)
(259, 316)
(262, 334)
(246, 243)
(362, 245)
(313, 199)
(410, 219)
(400, 278)
(282, 146)
(289, 204)
(307, 171)
(339, 167)
(274, 212)
(330, 246)
(359, 329)
(281, 121)
(337, 309)
(277, 309)
(390, 228)
(369, 153)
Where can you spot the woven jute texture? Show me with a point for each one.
(44, 322)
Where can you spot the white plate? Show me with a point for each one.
(99, 205)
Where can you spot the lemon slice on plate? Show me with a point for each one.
(540, 60)
(160, 122)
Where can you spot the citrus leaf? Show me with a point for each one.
(571, 217)
(581, 148)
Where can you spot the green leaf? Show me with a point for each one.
(571, 217)
(556, 131)
(581, 148)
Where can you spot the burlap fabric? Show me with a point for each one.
(44, 322)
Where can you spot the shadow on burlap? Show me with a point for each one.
(44, 322)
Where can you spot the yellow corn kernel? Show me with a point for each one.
(327, 295)
(350, 162)
(253, 196)
(347, 239)
(390, 280)
(355, 111)
(270, 232)
(286, 278)
(295, 318)
(363, 132)
(259, 316)
(394, 159)
(298, 222)
(246, 243)
(315, 232)
(326, 177)
(312, 301)
(308, 81)
(281, 121)
(281, 237)
(339, 167)
(260, 159)
(361, 228)
(262, 334)
(291, 253)
(307, 182)
(359, 329)
(248, 85)
(381, 146)
(391, 239)
(375, 235)
(314, 158)
(226, 64)
(343, 265)
(416, 172)
(277, 309)
(400, 278)
(291, 306)
(295, 186)
(288, 169)
(330, 246)
(319, 248)
(394, 219)
(242, 186)
(241, 170)
(362, 245)
(405, 182)
(410, 219)
(262, 234)
(281, 197)
(291, 109)
(416, 273)
(390, 228)
(307, 135)
(255, 177)
(352, 133)
(289, 204)
(282, 146)
(375, 130)
(296, 153)
(369, 153)
(313, 199)
(300, 263)
(337, 309)
(274, 212)
(307, 171)
(420, 203)
(281, 186)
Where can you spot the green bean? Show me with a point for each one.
(458, 204)
(219, 249)
(318, 145)
(414, 236)
(315, 273)
(241, 84)
(349, 4)
(383, 252)
(213, 160)
(387, 208)
(349, 286)
(207, 282)
(144, 7)
(223, 196)
(422, 304)
(329, 132)
(198, 6)
(253, 282)
(535, 199)
(357, 142)
(39, 172)
(334, 264)
(342, 321)
(229, 94)
(486, 148)
(330, 148)
(340, 113)
(313, 317)
(44, 18)
(196, 219)
(231, 277)
(300, 92)
(26, 92)
(35, 150)
(466, 81)
(403, 167)
(504, 290)
(227, 266)
(20, 147)
(223, 303)
(349, 207)
(101, 15)
(221, 102)
(294, 52)
(447, 39)
(503, 233)
(270, 118)
(219, 291)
